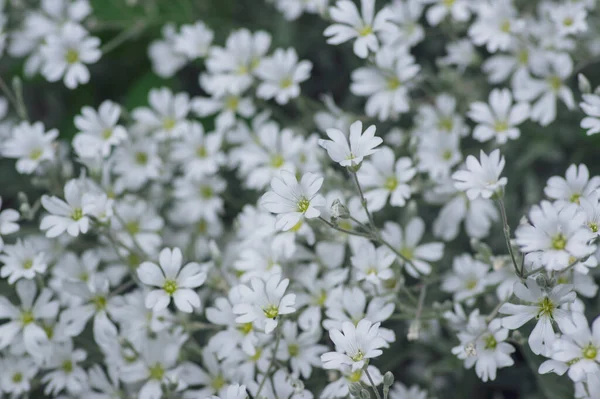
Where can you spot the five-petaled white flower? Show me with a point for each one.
(354, 345)
(352, 153)
(292, 200)
(173, 281)
(264, 302)
(482, 178)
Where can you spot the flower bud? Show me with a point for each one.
(413, 330)
(584, 84)
(339, 210)
(364, 394)
(388, 379)
(355, 389)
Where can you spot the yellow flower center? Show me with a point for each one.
(505, 26)
(555, 83)
(218, 382)
(590, 352)
(594, 227)
(490, 342)
(169, 124)
(408, 253)
(99, 302)
(232, 103)
(245, 328)
(202, 227)
(365, 31)
(28, 264)
(355, 376)
(393, 83)
(277, 161)
(256, 356)
(546, 307)
(449, 3)
(271, 312)
(447, 155)
(523, 57)
(303, 205)
(391, 183)
(77, 214)
(358, 356)
(72, 56)
(17, 377)
(156, 372)
(471, 284)
(446, 124)
(106, 134)
(36, 154)
(201, 152)
(500, 126)
(206, 192)
(559, 242)
(285, 83)
(170, 286)
(293, 350)
(575, 198)
(322, 298)
(568, 21)
(67, 366)
(141, 158)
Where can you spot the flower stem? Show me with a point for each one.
(507, 238)
(262, 383)
(363, 201)
(353, 233)
(372, 383)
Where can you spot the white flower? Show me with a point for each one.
(354, 345)
(569, 19)
(165, 58)
(263, 303)
(460, 53)
(548, 89)
(416, 257)
(482, 346)
(67, 53)
(373, 264)
(99, 131)
(386, 84)
(498, 119)
(199, 153)
(173, 281)
(575, 185)
(404, 28)
(400, 391)
(22, 260)
(228, 107)
(231, 68)
(70, 215)
(281, 75)
(66, 371)
(544, 307)
(350, 24)
(557, 230)
(482, 178)
(30, 145)
(351, 151)
(167, 116)
(292, 200)
(437, 153)
(467, 279)
(194, 40)
(458, 9)
(578, 349)
(135, 163)
(591, 107)
(9, 219)
(17, 373)
(496, 25)
(382, 177)
(234, 391)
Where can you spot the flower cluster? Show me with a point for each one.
(242, 239)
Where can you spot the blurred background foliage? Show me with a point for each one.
(124, 75)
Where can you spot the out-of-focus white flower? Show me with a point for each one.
(281, 75)
(99, 131)
(67, 53)
(31, 145)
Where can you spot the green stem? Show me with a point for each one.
(354, 233)
(507, 238)
(122, 37)
(262, 383)
(372, 383)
